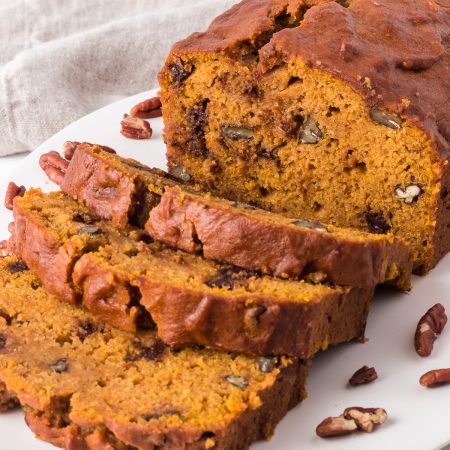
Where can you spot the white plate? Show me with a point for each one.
(418, 417)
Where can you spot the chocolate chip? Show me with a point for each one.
(3, 340)
(198, 119)
(311, 224)
(385, 118)
(158, 415)
(376, 222)
(150, 351)
(228, 277)
(59, 366)
(180, 72)
(443, 194)
(82, 218)
(270, 155)
(310, 132)
(86, 328)
(90, 230)
(6, 317)
(237, 381)
(266, 365)
(131, 253)
(236, 133)
(18, 266)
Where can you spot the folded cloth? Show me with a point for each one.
(62, 59)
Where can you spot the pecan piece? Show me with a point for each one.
(13, 191)
(148, 109)
(135, 128)
(363, 376)
(54, 166)
(366, 418)
(430, 325)
(435, 377)
(336, 426)
(70, 147)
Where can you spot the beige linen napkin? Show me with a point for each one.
(61, 59)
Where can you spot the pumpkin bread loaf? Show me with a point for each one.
(129, 283)
(334, 111)
(232, 232)
(85, 386)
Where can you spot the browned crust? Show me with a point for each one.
(185, 220)
(106, 293)
(101, 187)
(112, 186)
(251, 425)
(262, 327)
(45, 254)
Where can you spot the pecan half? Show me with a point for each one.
(54, 166)
(135, 128)
(430, 325)
(336, 426)
(363, 376)
(435, 377)
(13, 191)
(70, 147)
(4, 249)
(148, 109)
(366, 418)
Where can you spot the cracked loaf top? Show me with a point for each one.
(395, 53)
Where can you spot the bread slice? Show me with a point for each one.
(229, 231)
(255, 239)
(84, 385)
(129, 283)
(334, 111)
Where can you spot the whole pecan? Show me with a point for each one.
(13, 191)
(54, 165)
(148, 109)
(430, 325)
(435, 377)
(336, 426)
(135, 128)
(70, 147)
(366, 418)
(363, 376)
